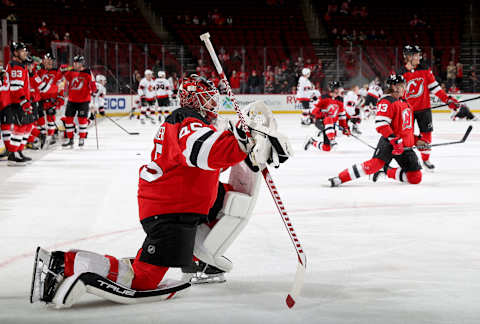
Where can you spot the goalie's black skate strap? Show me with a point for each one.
(110, 290)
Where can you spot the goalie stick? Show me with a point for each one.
(126, 131)
(302, 258)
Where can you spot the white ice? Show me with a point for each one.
(382, 252)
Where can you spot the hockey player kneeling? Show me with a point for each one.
(394, 121)
(190, 219)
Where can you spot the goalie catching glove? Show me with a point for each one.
(267, 145)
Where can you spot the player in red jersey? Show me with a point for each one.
(32, 132)
(51, 98)
(394, 121)
(80, 86)
(326, 113)
(420, 83)
(178, 192)
(14, 115)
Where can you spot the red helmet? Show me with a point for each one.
(200, 94)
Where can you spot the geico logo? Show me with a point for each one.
(116, 103)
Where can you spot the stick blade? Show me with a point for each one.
(469, 129)
(297, 283)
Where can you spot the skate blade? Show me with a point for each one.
(42, 260)
(208, 279)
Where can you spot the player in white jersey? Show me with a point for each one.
(99, 96)
(351, 102)
(148, 95)
(164, 92)
(374, 93)
(304, 95)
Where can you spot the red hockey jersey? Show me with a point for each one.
(19, 82)
(395, 116)
(183, 174)
(420, 83)
(48, 87)
(330, 107)
(80, 85)
(35, 82)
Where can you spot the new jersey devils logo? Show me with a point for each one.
(406, 119)
(77, 84)
(415, 88)
(332, 110)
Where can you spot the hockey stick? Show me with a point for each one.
(126, 131)
(302, 258)
(462, 101)
(96, 130)
(464, 138)
(357, 138)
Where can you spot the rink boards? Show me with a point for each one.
(281, 103)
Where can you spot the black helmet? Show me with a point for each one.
(395, 79)
(332, 85)
(17, 46)
(79, 59)
(49, 55)
(411, 49)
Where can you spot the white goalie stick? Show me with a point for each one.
(302, 258)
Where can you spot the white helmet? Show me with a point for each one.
(148, 72)
(100, 78)
(161, 74)
(306, 71)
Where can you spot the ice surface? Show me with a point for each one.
(377, 253)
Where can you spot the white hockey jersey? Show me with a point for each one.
(163, 88)
(99, 96)
(350, 102)
(304, 89)
(375, 90)
(147, 89)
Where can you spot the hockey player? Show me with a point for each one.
(14, 121)
(394, 121)
(326, 113)
(420, 83)
(4, 101)
(164, 92)
(351, 104)
(463, 112)
(33, 129)
(304, 95)
(80, 86)
(374, 92)
(51, 98)
(147, 93)
(99, 96)
(188, 155)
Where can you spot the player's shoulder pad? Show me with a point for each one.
(180, 114)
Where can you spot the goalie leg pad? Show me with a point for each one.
(211, 244)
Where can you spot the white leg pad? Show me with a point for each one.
(211, 244)
(69, 292)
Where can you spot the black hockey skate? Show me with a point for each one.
(24, 157)
(48, 270)
(335, 182)
(81, 142)
(200, 272)
(308, 142)
(15, 159)
(429, 165)
(68, 143)
(380, 173)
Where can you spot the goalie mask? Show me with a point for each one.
(200, 94)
